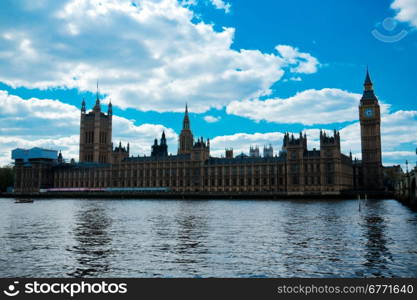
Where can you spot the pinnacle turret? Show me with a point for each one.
(83, 106)
(110, 109)
(186, 121)
(97, 105)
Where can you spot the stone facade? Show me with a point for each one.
(96, 134)
(406, 187)
(370, 121)
(295, 170)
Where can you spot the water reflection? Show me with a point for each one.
(93, 242)
(30, 240)
(297, 241)
(190, 236)
(377, 254)
(92, 238)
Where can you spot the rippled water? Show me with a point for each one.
(168, 238)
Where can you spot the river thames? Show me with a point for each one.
(170, 238)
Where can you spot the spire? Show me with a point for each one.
(110, 108)
(368, 82)
(97, 98)
(186, 140)
(97, 106)
(163, 139)
(186, 121)
(368, 93)
(83, 106)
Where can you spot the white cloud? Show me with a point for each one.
(398, 154)
(220, 4)
(35, 118)
(189, 2)
(55, 125)
(148, 56)
(301, 62)
(406, 11)
(308, 107)
(212, 119)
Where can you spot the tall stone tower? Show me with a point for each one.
(370, 121)
(96, 134)
(295, 149)
(162, 149)
(186, 139)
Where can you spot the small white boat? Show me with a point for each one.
(24, 201)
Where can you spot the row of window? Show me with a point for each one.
(89, 157)
(198, 171)
(295, 180)
(312, 180)
(180, 183)
(311, 167)
(89, 137)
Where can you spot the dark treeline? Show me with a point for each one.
(6, 177)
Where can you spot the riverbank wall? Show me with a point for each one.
(200, 195)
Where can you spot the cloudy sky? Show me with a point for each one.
(249, 71)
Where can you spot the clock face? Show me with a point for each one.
(369, 112)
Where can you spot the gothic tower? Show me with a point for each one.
(370, 121)
(185, 142)
(96, 134)
(162, 149)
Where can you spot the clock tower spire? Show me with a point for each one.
(370, 122)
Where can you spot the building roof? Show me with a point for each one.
(243, 160)
(368, 78)
(34, 153)
(158, 158)
(83, 165)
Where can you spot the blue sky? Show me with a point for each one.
(249, 70)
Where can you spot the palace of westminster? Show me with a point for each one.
(295, 171)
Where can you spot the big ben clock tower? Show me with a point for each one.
(370, 120)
